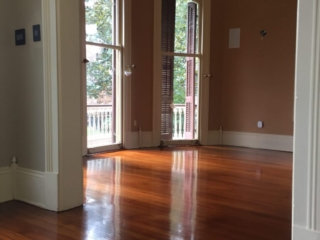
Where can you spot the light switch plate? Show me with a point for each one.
(234, 38)
(36, 33)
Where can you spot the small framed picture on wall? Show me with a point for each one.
(36, 33)
(20, 37)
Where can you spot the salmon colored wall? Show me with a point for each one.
(142, 57)
(258, 78)
(254, 82)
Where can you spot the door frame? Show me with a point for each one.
(203, 108)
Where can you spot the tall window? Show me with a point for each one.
(103, 71)
(180, 66)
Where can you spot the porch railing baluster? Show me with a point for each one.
(99, 129)
(99, 123)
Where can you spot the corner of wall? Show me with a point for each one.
(34, 187)
(140, 140)
(28, 186)
(6, 184)
(214, 137)
(51, 191)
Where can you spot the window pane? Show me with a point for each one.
(186, 24)
(100, 21)
(180, 79)
(101, 104)
(179, 111)
(100, 71)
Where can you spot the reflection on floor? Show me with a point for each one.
(177, 193)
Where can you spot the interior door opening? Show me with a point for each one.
(103, 73)
(180, 70)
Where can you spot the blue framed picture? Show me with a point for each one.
(20, 37)
(36, 33)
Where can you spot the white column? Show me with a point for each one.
(62, 60)
(51, 104)
(306, 173)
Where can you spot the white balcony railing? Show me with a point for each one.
(99, 124)
(179, 113)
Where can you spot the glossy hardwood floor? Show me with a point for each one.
(176, 193)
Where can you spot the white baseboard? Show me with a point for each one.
(132, 140)
(300, 233)
(29, 186)
(239, 139)
(255, 140)
(146, 140)
(51, 191)
(6, 193)
(214, 137)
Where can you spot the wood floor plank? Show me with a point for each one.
(175, 193)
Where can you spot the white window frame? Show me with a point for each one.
(124, 26)
(204, 59)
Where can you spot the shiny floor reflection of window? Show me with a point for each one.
(176, 193)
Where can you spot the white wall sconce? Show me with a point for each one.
(128, 70)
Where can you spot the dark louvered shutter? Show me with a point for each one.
(190, 84)
(167, 45)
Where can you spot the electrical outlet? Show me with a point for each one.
(260, 124)
(134, 123)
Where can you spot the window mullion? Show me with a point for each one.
(173, 54)
(104, 45)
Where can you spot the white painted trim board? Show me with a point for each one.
(6, 193)
(300, 233)
(29, 186)
(214, 137)
(260, 141)
(146, 140)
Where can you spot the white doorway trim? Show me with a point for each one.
(126, 109)
(306, 164)
(63, 183)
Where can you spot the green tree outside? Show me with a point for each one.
(99, 72)
(99, 13)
